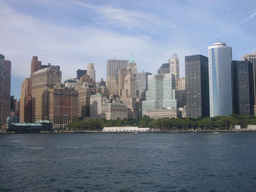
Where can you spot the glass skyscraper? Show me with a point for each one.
(197, 86)
(161, 93)
(220, 85)
(243, 87)
(252, 58)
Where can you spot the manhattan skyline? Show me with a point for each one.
(73, 33)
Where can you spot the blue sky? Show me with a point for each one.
(73, 33)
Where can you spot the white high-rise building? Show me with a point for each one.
(220, 85)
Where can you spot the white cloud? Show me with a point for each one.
(127, 18)
(71, 48)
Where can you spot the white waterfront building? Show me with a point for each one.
(220, 85)
(125, 129)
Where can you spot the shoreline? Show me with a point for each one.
(170, 131)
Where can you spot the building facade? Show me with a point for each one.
(80, 73)
(121, 76)
(96, 102)
(26, 91)
(197, 86)
(113, 66)
(243, 87)
(5, 89)
(113, 111)
(91, 71)
(220, 86)
(84, 95)
(159, 114)
(43, 80)
(160, 94)
(251, 57)
(63, 106)
(180, 92)
(131, 65)
(112, 86)
(174, 66)
(25, 102)
(165, 68)
(142, 84)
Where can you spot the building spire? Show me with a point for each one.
(131, 60)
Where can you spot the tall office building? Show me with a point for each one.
(25, 102)
(35, 64)
(180, 92)
(5, 89)
(112, 85)
(26, 92)
(121, 76)
(129, 96)
(85, 89)
(63, 105)
(131, 65)
(220, 86)
(197, 86)
(113, 66)
(243, 87)
(43, 80)
(252, 58)
(165, 68)
(174, 66)
(91, 71)
(80, 73)
(160, 94)
(142, 84)
(84, 95)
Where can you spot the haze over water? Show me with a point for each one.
(128, 162)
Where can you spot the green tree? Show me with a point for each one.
(119, 123)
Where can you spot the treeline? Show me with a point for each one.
(165, 124)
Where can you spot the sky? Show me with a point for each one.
(73, 33)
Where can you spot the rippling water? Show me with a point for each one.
(128, 162)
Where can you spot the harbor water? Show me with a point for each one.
(128, 162)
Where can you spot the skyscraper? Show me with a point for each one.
(25, 102)
(80, 73)
(35, 64)
(142, 84)
(111, 85)
(197, 86)
(174, 66)
(63, 105)
(91, 71)
(165, 68)
(180, 92)
(252, 58)
(113, 66)
(243, 87)
(131, 65)
(43, 80)
(160, 94)
(121, 76)
(26, 92)
(220, 86)
(5, 89)
(86, 88)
